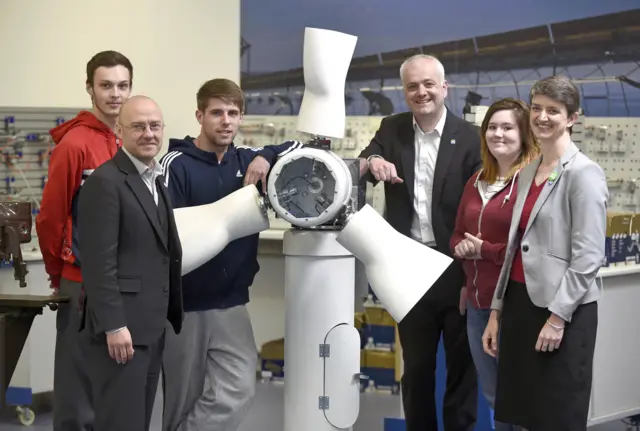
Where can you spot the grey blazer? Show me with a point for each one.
(563, 246)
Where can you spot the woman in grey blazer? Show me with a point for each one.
(545, 300)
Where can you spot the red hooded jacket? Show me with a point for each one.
(81, 145)
(492, 221)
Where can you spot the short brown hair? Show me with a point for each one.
(108, 59)
(530, 147)
(559, 88)
(220, 88)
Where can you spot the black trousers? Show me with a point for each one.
(72, 397)
(436, 315)
(124, 394)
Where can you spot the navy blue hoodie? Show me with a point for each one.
(194, 177)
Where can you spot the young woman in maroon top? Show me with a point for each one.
(482, 224)
(544, 310)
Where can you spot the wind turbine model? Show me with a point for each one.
(313, 189)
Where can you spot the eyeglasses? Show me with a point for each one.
(140, 128)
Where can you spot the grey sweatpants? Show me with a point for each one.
(209, 371)
(72, 399)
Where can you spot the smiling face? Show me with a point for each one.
(549, 118)
(424, 87)
(507, 143)
(141, 126)
(503, 136)
(220, 122)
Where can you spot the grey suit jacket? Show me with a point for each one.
(563, 246)
(130, 267)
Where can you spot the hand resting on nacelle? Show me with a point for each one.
(380, 169)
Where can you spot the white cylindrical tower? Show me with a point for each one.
(311, 188)
(322, 347)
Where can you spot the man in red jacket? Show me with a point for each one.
(81, 145)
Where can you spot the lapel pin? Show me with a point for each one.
(453, 142)
(553, 177)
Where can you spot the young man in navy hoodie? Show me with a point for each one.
(210, 367)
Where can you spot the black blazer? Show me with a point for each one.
(458, 159)
(130, 269)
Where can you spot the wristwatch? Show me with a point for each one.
(374, 156)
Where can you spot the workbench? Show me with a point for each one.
(17, 312)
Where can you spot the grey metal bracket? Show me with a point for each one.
(323, 403)
(325, 350)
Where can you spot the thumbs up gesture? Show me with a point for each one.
(470, 247)
(475, 245)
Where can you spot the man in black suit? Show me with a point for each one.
(131, 260)
(425, 158)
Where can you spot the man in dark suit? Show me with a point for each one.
(425, 158)
(131, 260)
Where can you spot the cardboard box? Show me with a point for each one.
(378, 316)
(377, 359)
(634, 245)
(379, 329)
(379, 337)
(618, 239)
(272, 358)
(379, 368)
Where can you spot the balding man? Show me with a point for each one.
(131, 260)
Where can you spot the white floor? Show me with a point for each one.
(267, 413)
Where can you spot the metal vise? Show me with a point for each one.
(15, 229)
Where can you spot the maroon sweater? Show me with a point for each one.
(493, 221)
(517, 270)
